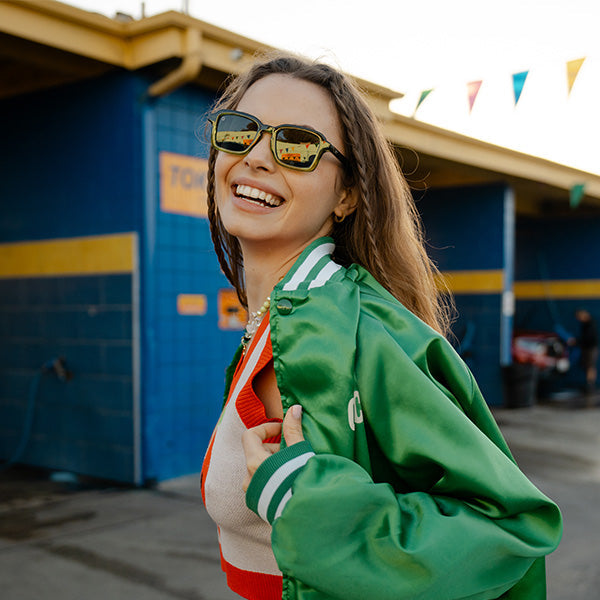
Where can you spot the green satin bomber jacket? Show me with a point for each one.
(412, 493)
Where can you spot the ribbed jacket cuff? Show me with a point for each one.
(271, 486)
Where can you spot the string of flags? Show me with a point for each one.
(518, 81)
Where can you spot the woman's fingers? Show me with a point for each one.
(272, 448)
(255, 450)
(253, 440)
(264, 431)
(292, 425)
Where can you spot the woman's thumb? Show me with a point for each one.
(292, 425)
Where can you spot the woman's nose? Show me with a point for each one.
(260, 155)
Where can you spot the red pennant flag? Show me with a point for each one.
(573, 67)
(473, 89)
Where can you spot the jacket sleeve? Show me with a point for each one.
(445, 514)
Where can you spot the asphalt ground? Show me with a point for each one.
(88, 540)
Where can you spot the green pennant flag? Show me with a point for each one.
(424, 95)
(518, 83)
(576, 194)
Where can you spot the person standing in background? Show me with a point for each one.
(588, 343)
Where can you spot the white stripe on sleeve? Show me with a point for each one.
(304, 269)
(277, 479)
(324, 275)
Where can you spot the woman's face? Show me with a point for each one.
(302, 204)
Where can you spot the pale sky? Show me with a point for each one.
(414, 45)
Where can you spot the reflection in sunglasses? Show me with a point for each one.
(288, 149)
(298, 153)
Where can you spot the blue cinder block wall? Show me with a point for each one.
(465, 233)
(71, 169)
(71, 162)
(556, 273)
(85, 424)
(184, 356)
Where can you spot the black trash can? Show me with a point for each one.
(520, 385)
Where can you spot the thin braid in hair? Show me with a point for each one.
(212, 217)
(387, 263)
(229, 263)
(372, 259)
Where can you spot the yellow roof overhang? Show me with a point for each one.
(135, 44)
(453, 159)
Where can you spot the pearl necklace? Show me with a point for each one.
(254, 321)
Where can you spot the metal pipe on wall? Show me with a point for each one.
(187, 70)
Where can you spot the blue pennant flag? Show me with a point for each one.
(518, 83)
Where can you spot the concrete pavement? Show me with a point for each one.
(558, 447)
(59, 541)
(110, 544)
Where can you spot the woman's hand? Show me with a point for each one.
(253, 440)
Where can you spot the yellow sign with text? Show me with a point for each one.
(183, 184)
(232, 315)
(191, 304)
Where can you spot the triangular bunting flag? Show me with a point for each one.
(518, 83)
(424, 95)
(473, 90)
(576, 194)
(573, 67)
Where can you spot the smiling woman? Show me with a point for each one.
(355, 457)
(274, 234)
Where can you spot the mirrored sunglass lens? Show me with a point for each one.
(235, 132)
(297, 147)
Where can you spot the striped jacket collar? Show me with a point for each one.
(313, 268)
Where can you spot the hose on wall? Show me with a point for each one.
(56, 366)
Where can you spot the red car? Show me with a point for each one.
(545, 350)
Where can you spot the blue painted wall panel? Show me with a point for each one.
(71, 160)
(83, 425)
(558, 248)
(72, 167)
(464, 227)
(185, 356)
(465, 231)
(481, 313)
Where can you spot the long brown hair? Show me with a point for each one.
(384, 234)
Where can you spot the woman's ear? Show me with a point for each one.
(347, 203)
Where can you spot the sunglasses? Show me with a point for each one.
(293, 146)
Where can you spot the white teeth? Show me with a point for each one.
(250, 192)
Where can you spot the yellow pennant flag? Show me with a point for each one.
(573, 67)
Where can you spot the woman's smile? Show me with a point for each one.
(256, 196)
